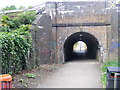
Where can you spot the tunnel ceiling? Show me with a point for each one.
(88, 39)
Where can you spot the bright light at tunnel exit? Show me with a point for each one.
(80, 47)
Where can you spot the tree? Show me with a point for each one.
(30, 7)
(12, 7)
(21, 7)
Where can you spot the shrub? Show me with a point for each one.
(20, 19)
(26, 17)
(15, 48)
(4, 28)
(8, 24)
(15, 42)
(12, 7)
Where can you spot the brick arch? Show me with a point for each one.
(98, 32)
(91, 42)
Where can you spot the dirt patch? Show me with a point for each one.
(31, 78)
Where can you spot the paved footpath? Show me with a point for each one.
(75, 74)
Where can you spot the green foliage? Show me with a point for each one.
(26, 17)
(15, 41)
(7, 23)
(5, 28)
(12, 7)
(114, 63)
(29, 75)
(12, 23)
(21, 7)
(30, 7)
(15, 49)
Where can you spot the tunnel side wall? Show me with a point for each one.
(43, 41)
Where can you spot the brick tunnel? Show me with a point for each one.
(76, 21)
(91, 42)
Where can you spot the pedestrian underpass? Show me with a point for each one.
(87, 50)
(57, 32)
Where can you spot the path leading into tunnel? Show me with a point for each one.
(75, 74)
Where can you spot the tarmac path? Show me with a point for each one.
(75, 74)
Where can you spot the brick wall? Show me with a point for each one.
(50, 40)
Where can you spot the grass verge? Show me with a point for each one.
(113, 63)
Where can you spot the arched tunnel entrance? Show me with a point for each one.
(80, 45)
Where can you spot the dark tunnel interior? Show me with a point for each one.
(91, 42)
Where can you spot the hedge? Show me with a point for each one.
(15, 42)
(15, 49)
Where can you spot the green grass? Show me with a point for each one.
(29, 75)
(113, 63)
